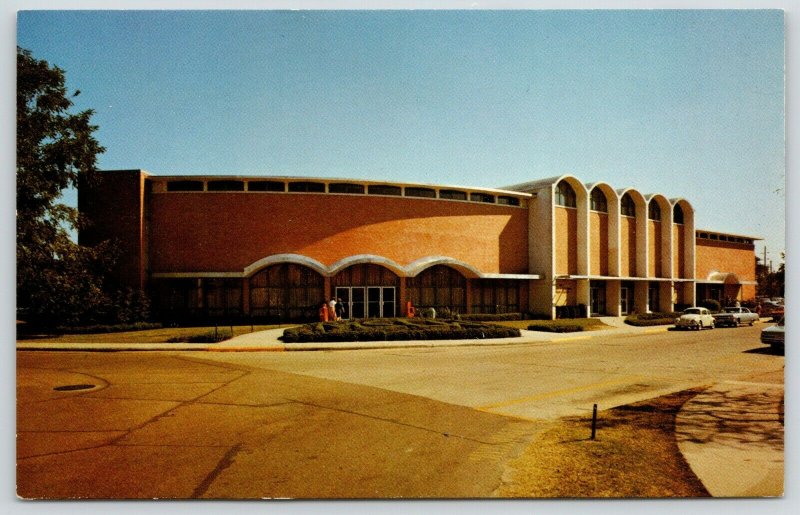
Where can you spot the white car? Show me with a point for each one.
(695, 318)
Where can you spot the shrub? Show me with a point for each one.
(711, 305)
(103, 328)
(651, 319)
(492, 317)
(395, 329)
(553, 328)
(209, 337)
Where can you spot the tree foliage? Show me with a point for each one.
(58, 281)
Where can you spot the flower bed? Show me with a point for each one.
(393, 329)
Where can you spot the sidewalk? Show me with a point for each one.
(731, 435)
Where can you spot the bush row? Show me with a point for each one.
(208, 337)
(555, 328)
(105, 328)
(491, 317)
(651, 319)
(393, 330)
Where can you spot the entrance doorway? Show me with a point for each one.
(653, 298)
(626, 298)
(367, 301)
(597, 298)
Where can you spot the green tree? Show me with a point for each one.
(58, 281)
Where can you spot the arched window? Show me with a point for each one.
(627, 206)
(599, 201)
(565, 195)
(677, 214)
(654, 211)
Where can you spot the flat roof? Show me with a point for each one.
(719, 233)
(215, 177)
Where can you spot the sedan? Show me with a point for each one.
(774, 335)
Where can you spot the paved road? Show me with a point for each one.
(378, 423)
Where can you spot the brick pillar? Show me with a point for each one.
(327, 289)
(245, 295)
(468, 296)
(402, 297)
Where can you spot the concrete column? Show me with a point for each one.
(665, 296)
(583, 296)
(613, 297)
(640, 296)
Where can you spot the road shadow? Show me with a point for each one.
(766, 350)
(746, 419)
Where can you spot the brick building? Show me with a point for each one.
(276, 247)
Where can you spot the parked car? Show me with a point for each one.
(774, 335)
(771, 309)
(695, 318)
(735, 317)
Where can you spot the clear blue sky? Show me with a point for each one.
(685, 103)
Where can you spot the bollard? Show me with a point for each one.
(594, 420)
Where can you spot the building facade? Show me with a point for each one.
(275, 248)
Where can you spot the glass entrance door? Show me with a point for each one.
(367, 302)
(624, 300)
(597, 292)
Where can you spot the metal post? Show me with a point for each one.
(594, 420)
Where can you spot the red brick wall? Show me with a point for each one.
(115, 204)
(627, 254)
(227, 231)
(566, 227)
(598, 253)
(728, 257)
(654, 245)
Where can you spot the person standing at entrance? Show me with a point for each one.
(339, 309)
(323, 313)
(332, 309)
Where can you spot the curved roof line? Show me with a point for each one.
(604, 187)
(637, 194)
(415, 267)
(542, 183)
(366, 258)
(285, 258)
(682, 201)
(723, 277)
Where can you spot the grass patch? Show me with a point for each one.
(393, 329)
(163, 335)
(634, 455)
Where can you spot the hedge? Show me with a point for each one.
(209, 337)
(492, 317)
(651, 319)
(395, 329)
(104, 328)
(555, 328)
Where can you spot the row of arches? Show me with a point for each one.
(600, 231)
(290, 291)
(627, 200)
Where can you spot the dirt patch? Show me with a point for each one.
(634, 455)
